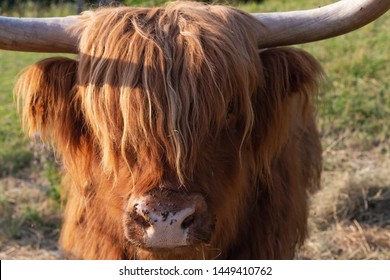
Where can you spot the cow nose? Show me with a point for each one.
(160, 220)
(169, 220)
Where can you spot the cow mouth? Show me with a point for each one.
(193, 248)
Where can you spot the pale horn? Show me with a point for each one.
(38, 34)
(297, 27)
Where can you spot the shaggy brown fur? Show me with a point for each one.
(184, 92)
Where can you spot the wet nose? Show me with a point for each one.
(169, 220)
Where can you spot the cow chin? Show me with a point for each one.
(165, 224)
(192, 252)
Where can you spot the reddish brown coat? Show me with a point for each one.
(179, 96)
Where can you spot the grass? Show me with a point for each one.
(14, 153)
(356, 98)
(27, 215)
(33, 9)
(350, 216)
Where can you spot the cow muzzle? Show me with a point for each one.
(165, 219)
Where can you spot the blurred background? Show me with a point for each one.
(350, 216)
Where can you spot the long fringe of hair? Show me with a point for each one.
(156, 80)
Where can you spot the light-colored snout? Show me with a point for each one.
(167, 220)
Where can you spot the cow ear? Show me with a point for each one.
(47, 96)
(283, 104)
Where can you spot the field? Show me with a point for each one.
(350, 216)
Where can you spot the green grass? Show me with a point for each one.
(356, 98)
(20, 216)
(14, 149)
(31, 9)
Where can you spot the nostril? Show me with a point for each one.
(141, 221)
(188, 221)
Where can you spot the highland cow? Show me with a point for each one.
(182, 135)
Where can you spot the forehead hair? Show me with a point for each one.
(158, 82)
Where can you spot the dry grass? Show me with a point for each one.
(29, 220)
(350, 216)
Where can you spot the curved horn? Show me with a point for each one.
(288, 28)
(38, 34)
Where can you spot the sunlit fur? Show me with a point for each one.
(179, 92)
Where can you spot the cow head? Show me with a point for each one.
(171, 125)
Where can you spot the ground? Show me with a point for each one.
(350, 216)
